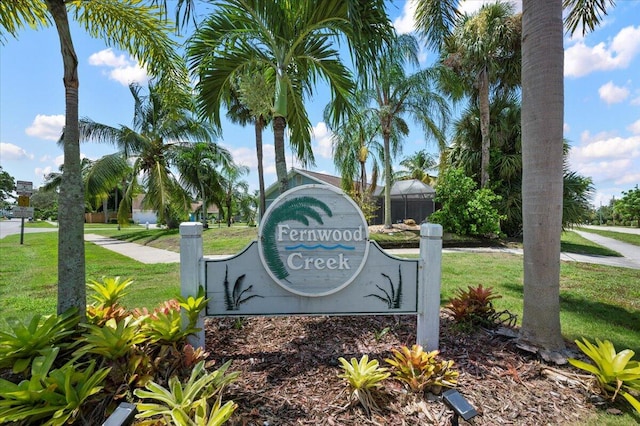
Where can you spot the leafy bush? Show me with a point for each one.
(363, 379)
(422, 371)
(465, 210)
(615, 372)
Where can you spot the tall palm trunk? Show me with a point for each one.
(71, 262)
(388, 181)
(542, 120)
(259, 126)
(279, 124)
(483, 98)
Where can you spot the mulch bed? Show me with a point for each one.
(289, 368)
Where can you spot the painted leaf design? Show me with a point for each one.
(298, 209)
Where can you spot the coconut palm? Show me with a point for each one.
(160, 127)
(295, 41)
(394, 95)
(199, 167)
(121, 23)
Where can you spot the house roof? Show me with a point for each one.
(410, 188)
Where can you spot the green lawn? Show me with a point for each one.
(596, 301)
(620, 236)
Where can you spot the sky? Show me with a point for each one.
(602, 102)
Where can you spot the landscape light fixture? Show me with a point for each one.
(122, 416)
(459, 405)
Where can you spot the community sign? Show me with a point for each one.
(313, 256)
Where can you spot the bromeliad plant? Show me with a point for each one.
(50, 397)
(421, 370)
(188, 405)
(107, 294)
(363, 378)
(473, 307)
(23, 343)
(616, 372)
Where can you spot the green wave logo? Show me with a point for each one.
(299, 209)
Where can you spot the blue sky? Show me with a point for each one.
(602, 102)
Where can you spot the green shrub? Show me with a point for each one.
(465, 210)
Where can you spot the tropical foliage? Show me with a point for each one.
(505, 171)
(465, 210)
(616, 372)
(421, 371)
(293, 44)
(65, 374)
(161, 125)
(363, 379)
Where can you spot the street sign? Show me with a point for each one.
(23, 201)
(24, 187)
(22, 211)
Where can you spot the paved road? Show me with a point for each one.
(12, 226)
(623, 229)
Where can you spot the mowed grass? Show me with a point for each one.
(596, 301)
(620, 236)
(28, 275)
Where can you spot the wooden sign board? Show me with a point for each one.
(313, 257)
(241, 286)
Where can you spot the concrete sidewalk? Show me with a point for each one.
(149, 255)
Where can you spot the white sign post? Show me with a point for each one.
(314, 257)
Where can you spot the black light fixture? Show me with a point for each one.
(459, 405)
(122, 416)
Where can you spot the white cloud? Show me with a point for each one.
(612, 94)
(634, 128)
(566, 128)
(247, 157)
(322, 137)
(11, 152)
(46, 127)
(125, 70)
(580, 59)
(616, 147)
(405, 23)
(43, 172)
(630, 178)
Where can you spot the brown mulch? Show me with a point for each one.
(289, 368)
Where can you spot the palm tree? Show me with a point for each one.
(393, 95)
(250, 101)
(484, 52)
(354, 144)
(294, 41)
(123, 24)
(506, 164)
(233, 189)
(160, 126)
(198, 165)
(417, 167)
(542, 117)
(99, 177)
